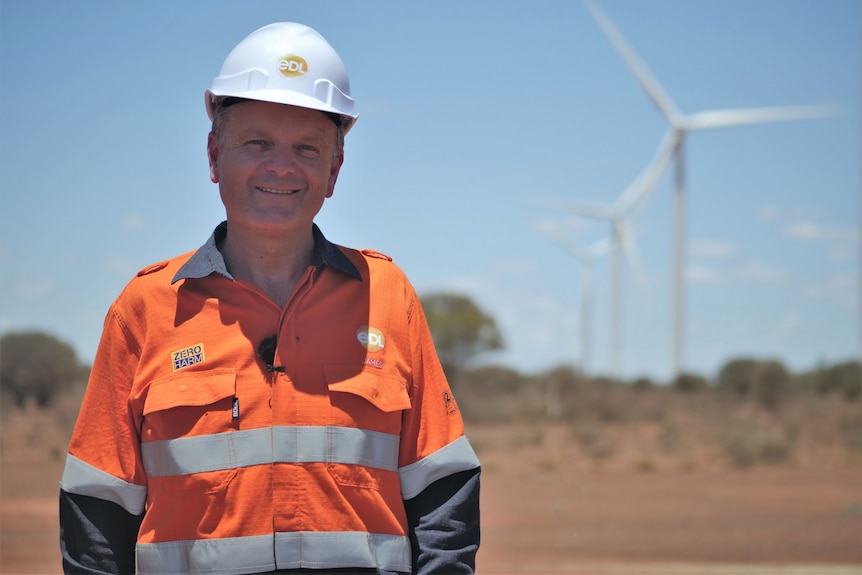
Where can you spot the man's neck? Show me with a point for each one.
(273, 264)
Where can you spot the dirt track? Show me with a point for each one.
(545, 510)
(564, 518)
(716, 522)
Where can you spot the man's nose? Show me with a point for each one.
(281, 161)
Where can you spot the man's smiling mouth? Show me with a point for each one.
(278, 192)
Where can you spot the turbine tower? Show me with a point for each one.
(681, 124)
(587, 256)
(622, 216)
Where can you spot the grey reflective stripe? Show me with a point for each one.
(331, 550)
(84, 479)
(266, 445)
(455, 457)
(336, 445)
(227, 556)
(316, 550)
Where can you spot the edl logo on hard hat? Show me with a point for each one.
(292, 66)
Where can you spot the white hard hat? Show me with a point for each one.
(286, 63)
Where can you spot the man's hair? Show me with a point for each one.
(221, 107)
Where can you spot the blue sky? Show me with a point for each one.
(475, 118)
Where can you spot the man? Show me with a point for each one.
(272, 401)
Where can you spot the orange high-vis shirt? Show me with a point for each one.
(245, 463)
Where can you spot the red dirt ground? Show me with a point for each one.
(545, 511)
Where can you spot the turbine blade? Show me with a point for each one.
(632, 252)
(722, 118)
(585, 209)
(635, 197)
(599, 248)
(570, 248)
(647, 81)
(585, 255)
(590, 210)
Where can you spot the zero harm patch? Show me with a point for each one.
(188, 356)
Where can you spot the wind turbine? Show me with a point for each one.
(681, 124)
(622, 216)
(587, 257)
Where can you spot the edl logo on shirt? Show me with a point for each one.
(371, 338)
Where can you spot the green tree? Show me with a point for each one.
(460, 329)
(36, 365)
(735, 376)
(770, 383)
(844, 378)
(689, 383)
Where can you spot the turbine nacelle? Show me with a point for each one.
(634, 198)
(701, 120)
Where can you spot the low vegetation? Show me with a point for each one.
(753, 412)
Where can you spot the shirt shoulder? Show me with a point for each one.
(155, 276)
(377, 267)
(164, 266)
(153, 268)
(375, 254)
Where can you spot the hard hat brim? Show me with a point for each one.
(283, 97)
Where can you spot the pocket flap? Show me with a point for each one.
(194, 388)
(384, 391)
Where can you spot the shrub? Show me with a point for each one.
(566, 379)
(770, 384)
(492, 380)
(642, 384)
(843, 378)
(746, 446)
(735, 377)
(36, 365)
(460, 329)
(689, 383)
(850, 427)
(497, 394)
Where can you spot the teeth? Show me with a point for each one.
(280, 192)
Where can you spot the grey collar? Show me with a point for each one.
(208, 259)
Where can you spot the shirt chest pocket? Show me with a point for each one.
(374, 402)
(188, 404)
(369, 399)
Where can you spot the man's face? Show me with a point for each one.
(275, 165)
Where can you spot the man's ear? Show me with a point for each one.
(333, 173)
(212, 156)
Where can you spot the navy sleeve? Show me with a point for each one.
(96, 536)
(444, 525)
